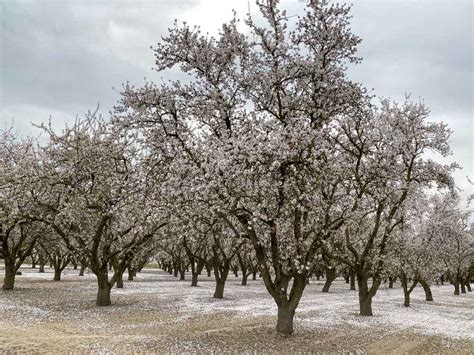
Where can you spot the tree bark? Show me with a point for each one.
(194, 279)
(352, 281)
(182, 275)
(130, 274)
(456, 286)
(103, 292)
(254, 275)
(219, 291)
(120, 280)
(365, 294)
(81, 271)
(407, 290)
(391, 280)
(244, 278)
(286, 315)
(9, 279)
(427, 289)
(330, 277)
(57, 274)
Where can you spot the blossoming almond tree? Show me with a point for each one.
(250, 130)
(385, 152)
(97, 202)
(18, 234)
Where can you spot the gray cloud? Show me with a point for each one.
(60, 58)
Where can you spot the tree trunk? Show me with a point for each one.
(81, 271)
(427, 289)
(365, 298)
(9, 279)
(194, 279)
(182, 275)
(208, 272)
(456, 287)
(330, 277)
(406, 302)
(286, 315)
(175, 272)
(254, 275)
(463, 287)
(120, 280)
(103, 292)
(219, 291)
(130, 274)
(41, 268)
(244, 278)
(57, 274)
(468, 286)
(352, 280)
(390, 282)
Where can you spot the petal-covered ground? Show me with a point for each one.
(158, 313)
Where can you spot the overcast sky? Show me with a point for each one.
(60, 58)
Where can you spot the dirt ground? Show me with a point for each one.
(158, 314)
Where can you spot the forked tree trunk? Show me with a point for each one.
(427, 289)
(407, 290)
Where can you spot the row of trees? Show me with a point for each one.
(268, 158)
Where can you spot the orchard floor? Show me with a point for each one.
(156, 313)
